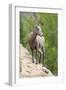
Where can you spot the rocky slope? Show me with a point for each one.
(27, 68)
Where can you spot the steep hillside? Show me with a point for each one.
(28, 69)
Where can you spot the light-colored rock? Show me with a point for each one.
(28, 69)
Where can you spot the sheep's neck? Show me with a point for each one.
(34, 36)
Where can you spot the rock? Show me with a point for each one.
(27, 68)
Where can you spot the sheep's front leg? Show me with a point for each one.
(36, 57)
(32, 56)
(43, 56)
(40, 59)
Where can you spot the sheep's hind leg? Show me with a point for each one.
(43, 57)
(40, 59)
(32, 56)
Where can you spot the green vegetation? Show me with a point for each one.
(49, 25)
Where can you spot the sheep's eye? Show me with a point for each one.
(37, 29)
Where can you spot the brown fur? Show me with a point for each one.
(36, 43)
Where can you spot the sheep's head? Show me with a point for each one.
(38, 31)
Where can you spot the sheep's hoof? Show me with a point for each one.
(32, 61)
(39, 62)
(36, 63)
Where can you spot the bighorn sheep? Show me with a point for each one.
(36, 43)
